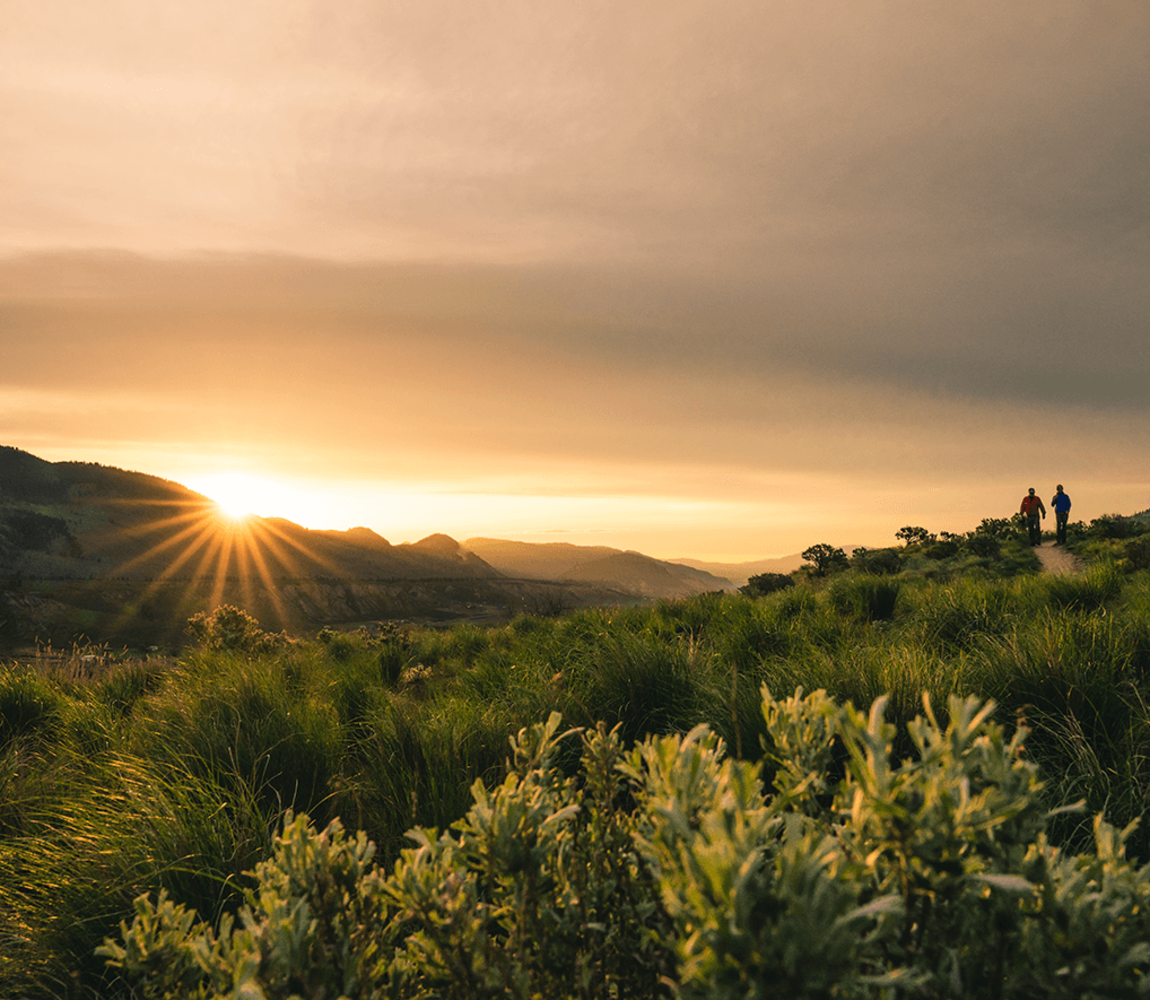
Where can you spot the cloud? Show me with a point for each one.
(709, 243)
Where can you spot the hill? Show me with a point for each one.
(640, 575)
(98, 553)
(95, 553)
(80, 521)
(739, 573)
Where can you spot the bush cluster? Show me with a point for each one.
(231, 628)
(673, 870)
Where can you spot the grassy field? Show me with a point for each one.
(124, 775)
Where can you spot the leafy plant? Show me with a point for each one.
(229, 627)
(674, 870)
(766, 583)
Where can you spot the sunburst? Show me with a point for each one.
(209, 545)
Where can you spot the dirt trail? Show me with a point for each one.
(1056, 559)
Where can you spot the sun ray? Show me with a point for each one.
(312, 555)
(220, 558)
(274, 593)
(160, 547)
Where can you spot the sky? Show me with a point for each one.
(717, 280)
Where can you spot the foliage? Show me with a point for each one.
(28, 704)
(825, 558)
(998, 527)
(1137, 553)
(1114, 526)
(983, 544)
(147, 777)
(877, 561)
(762, 584)
(913, 535)
(864, 597)
(942, 550)
(932, 875)
(231, 628)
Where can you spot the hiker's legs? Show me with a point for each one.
(1060, 519)
(1033, 529)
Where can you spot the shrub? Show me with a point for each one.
(941, 550)
(999, 527)
(1137, 553)
(984, 545)
(766, 583)
(1113, 526)
(229, 627)
(670, 871)
(864, 598)
(877, 561)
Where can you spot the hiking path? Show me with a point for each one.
(1056, 559)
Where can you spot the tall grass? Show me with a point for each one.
(173, 776)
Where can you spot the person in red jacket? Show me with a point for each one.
(1031, 507)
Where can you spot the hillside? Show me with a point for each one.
(641, 575)
(650, 578)
(89, 552)
(535, 560)
(80, 521)
(740, 573)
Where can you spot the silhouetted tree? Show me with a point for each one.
(825, 558)
(913, 535)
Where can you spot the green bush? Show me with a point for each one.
(672, 871)
(987, 546)
(877, 561)
(28, 704)
(231, 628)
(864, 598)
(766, 583)
(1137, 553)
(1114, 526)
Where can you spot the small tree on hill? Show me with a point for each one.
(913, 535)
(825, 558)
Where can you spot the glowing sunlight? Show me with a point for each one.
(239, 496)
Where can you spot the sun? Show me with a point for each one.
(238, 496)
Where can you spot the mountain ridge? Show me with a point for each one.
(644, 575)
(84, 546)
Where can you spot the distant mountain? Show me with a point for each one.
(640, 575)
(76, 520)
(535, 560)
(647, 577)
(94, 553)
(740, 573)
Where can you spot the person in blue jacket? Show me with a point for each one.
(1061, 504)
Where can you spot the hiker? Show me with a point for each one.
(1061, 504)
(1032, 506)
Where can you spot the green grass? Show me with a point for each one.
(174, 774)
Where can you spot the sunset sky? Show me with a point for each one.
(707, 279)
